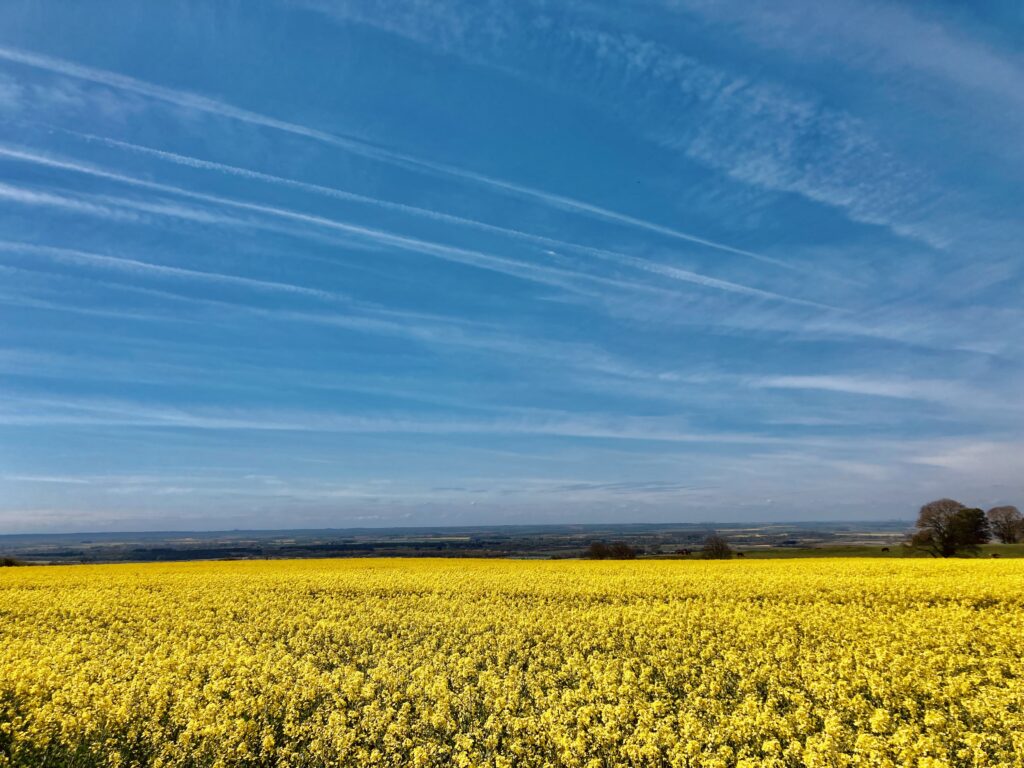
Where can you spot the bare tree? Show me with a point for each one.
(1007, 524)
(716, 547)
(946, 527)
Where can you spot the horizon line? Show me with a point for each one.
(701, 524)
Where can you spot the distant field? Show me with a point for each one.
(517, 541)
(894, 551)
(394, 662)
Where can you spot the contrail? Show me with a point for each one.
(135, 266)
(548, 275)
(33, 197)
(362, 317)
(205, 104)
(674, 273)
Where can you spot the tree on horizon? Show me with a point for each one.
(716, 547)
(1007, 523)
(945, 528)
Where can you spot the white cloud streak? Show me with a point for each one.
(551, 276)
(554, 276)
(137, 267)
(192, 101)
(106, 412)
(876, 36)
(26, 196)
(902, 389)
(361, 317)
(756, 131)
(647, 265)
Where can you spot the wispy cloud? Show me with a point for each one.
(998, 459)
(827, 323)
(58, 479)
(876, 36)
(432, 331)
(28, 196)
(137, 267)
(552, 276)
(685, 260)
(222, 109)
(30, 302)
(107, 412)
(548, 275)
(942, 391)
(757, 131)
(648, 265)
(766, 134)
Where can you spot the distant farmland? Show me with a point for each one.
(541, 541)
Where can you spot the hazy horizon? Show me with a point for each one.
(318, 263)
(698, 525)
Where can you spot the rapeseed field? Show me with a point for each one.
(825, 662)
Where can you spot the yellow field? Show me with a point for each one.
(826, 662)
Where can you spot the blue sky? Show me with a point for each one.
(325, 263)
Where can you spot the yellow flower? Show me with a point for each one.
(774, 664)
(880, 721)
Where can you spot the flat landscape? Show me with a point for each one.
(873, 539)
(511, 384)
(813, 662)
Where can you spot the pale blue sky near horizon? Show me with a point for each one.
(317, 263)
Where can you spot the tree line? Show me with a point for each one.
(946, 528)
(715, 547)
